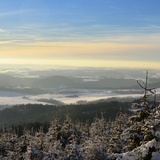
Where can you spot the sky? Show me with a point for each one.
(85, 33)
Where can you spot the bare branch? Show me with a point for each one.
(140, 84)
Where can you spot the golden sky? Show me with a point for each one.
(96, 54)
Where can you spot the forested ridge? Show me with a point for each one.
(29, 113)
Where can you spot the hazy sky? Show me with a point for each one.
(96, 33)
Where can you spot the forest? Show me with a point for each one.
(33, 113)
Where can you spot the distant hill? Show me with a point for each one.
(72, 82)
(56, 82)
(11, 81)
(103, 83)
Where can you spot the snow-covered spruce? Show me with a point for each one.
(145, 135)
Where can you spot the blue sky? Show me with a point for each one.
(117, 31)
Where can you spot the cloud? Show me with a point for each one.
(2, 30)
(81, 50)
(94, 42)
(16, 12)
(35, 32)
(6, 42)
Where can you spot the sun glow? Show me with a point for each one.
(81, 63)
(81, 54)
(51, 49)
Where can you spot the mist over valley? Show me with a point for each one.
(70, 86)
